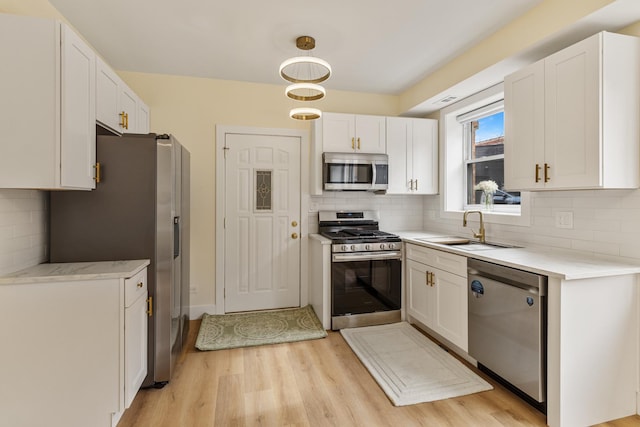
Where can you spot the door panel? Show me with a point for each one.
(262, 202)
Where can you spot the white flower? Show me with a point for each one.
(489, 186)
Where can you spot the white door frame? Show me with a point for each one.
(221, 132)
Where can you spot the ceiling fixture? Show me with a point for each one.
(305, 113)
(305, 72)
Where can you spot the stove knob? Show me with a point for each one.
(392, 246)
(345, 248)
(382, 246)
(353, 248)
(367, 247)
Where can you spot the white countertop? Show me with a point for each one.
(564, 264)
(62, 272)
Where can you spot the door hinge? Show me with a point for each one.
(225, 149)
(150, 306)
(224, 222)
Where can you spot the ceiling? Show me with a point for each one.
(375, 46)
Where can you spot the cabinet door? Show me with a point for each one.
(338, 133)
(398, 140)
(572, 116)
(135, 347)
(107, 89)
(418, 293)
(78, 115)
(129, 108)
(143, 118)
(29, 100)
(370, 134)
(524, 128)
(451, 315)
(423, 156)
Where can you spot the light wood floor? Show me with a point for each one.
(311, 383)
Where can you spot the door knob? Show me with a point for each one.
(294, 235)
(294, 223)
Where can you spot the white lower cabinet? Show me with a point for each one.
(77, 347)
(135, 335)
(437, 292)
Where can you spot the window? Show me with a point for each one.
(483, 139)
(472, 144)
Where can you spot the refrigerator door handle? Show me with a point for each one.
(176, 237)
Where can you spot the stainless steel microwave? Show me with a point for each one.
(355, 171)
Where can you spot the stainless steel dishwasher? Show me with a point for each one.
(507, 326)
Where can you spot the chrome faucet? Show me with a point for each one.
(480, 233)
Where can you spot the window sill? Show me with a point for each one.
(522, 218)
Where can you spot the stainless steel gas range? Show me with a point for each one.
(366, 269)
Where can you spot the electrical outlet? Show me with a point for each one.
(564, 219)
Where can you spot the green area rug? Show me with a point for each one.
(220, 331)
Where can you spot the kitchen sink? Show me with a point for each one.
(464, 243)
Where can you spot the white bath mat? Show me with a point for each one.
(409, 367)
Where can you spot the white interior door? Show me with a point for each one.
(262, 222)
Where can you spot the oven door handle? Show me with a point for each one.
(367, 256)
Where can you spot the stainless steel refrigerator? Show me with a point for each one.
(139, 209)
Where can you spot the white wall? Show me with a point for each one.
(605, 222)
(23, 229)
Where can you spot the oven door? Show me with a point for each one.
(365, 282)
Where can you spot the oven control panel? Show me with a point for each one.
(366, 247)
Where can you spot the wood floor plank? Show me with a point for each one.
(307, 384)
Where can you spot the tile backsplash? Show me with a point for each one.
(605, 222)
(23, 229)
(397, 212)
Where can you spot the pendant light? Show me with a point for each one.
(305, 72)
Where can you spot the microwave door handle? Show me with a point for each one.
(373, 166)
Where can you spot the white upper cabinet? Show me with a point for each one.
(412, 147)
(118, 107)
(47, 107)
(347, 133)
(571, 119)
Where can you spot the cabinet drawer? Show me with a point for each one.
(452, 263)
(134, 287)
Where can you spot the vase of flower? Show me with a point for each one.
(486, 200)
(488, 189)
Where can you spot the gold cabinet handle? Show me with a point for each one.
(429, 278)
(126, 121)
(358, 143)
(426, 279)
(140, 284)
(353, 143)
(546, 172)
(294, 235)
(150, 306)
(537, 172)
(98, 175)
(294, 223)
(433, 279)
(123, 123)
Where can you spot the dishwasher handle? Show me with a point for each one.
(474, 277)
